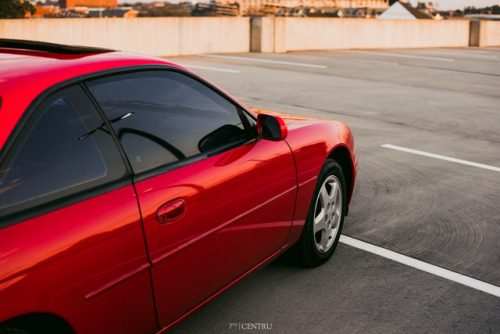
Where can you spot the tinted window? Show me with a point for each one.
(65, 148)
(165, 116)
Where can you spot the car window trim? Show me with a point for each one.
(109, 126)
(66, 201)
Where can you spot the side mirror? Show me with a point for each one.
(271, 127)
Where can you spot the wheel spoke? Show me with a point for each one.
(323, 243)
(320, 222)
(325, 196)
(335, 191)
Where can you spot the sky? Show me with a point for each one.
(438, 4)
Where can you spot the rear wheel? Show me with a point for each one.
(325, 217)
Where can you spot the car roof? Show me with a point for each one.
(29, 68)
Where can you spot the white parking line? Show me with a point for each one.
(267, 61)
(442, 157)
(463, 54)
(377, 62)
(210, 68)
(420, 265)
(400, 55)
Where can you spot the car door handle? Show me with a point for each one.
(171, 211)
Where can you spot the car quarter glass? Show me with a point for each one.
(65, 149)
(166, 116)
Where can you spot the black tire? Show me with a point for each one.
(328, 206)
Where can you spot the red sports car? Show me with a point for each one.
(133, 192)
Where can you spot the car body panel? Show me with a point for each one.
(76, 262)
(108, 262)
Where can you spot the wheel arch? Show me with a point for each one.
(39, 323)
(343, 157)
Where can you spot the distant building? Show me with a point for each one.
(45, 11)
(248, 7)
(403, 11)
(490, 17)
(374, 4)
(126, 12)
(215, 9)
(88, 3)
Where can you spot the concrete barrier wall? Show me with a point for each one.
(153, 36)
(322, 34)
(489, 33)
(199, 35)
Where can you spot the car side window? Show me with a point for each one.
(64, 148)
(165, 116)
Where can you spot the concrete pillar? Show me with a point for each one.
(474, 33)
(256, 34)
(262, 36)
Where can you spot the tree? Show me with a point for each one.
(13, 9)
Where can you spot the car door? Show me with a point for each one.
(216, 201)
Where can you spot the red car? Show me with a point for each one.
(133, 192)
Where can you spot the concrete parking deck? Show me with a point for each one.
(440, 102)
